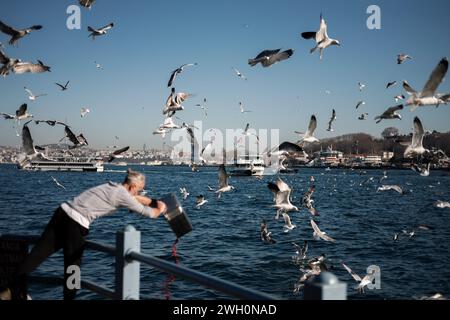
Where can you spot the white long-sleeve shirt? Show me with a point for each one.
(103, 200)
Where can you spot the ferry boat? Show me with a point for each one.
(58, 165)
(248, 166)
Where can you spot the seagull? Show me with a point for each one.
(416, 146)
(320, 234)
(30, 152)
(390, 113)
(29, 67)
(402, 58)
(17, 34)
(203, 107)
(169, 124)
(161, 131)
(84, 111)
(300, 251)
(333, 118)
(321, 38)
(270, 57)
(363, 116)
(200, 201)
(99, 32)
(308, 136)
(63, 87)
(78, 141)
(390, 84)
(241, 106)
(399, 97)
(247, 133)
(117, 154)
(383, 177)
(223, 181)
(58, 184)
(361, 86)
(33, 97)
(22, 114)
(396, 237)
(50, 122)
(8, 64)
(239, 74)
(411, 234)
(98, 65)
(87, 3)
(184, 193)
(360, 103)
(391, 187)
(442, 204)
(266, 236)
(177, 71)
(363, 282)
(428, 94)
(424, 171)
(282, 194)
(172, 104)
(307, 202)
(288, 226)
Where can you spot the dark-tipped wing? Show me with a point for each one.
(172, 77)
(22, 110)
(7, 29)
(107, 27)
(72, 137)
(267, 53)
(308, 35)
(86, 3)
(277, 57)
(435, 79)
(312, 126)
(27, 140)
(25, 67)
(418, 133)
(290, 147)
(3, 58)
(391, 110)
(223, 177)
(408, 88)
(119, 151)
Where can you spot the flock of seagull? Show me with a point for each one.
(424, 158)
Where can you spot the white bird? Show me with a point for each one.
(200, 201)
(282, 194)
(87, 3)
(177, 71)
(402, 58)
(428, 94)
(84, 111)
(411, 234)
(29, 67)
(300, 251)
(269, 57)
(360, 103)
(33, 97)
(390, 84)
(320, 234)
(363, 282)
(390, 113)
(390, 187)
(361, 86)
(223, 181)
(288, 226)
(442, 204)
(169, 124)
(99, 32)
(98, 65)
(239, 74)
(15, 34)
(307, 201)
(63, 87)
(29, 151)
(363, 116)
(241, 106)
(58, 184)
(184, 193)
(424, 171)
(309, 135)
(333, 118)
(160, 131)
(416, 146)
(321, 38)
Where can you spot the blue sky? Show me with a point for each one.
(152, 38)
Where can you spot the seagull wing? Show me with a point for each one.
(3, 58)
(266, 53)
(322, 35)
(172, 77)
(72, 137)
(312, 126)
(22, 110)
(119, 151)
(435, 79)
(107, 27)
(408, 88)
(27, 141)
(354, 275)
(25, 67)
(320, 233)
(391, 110)
(277, 57)
(7, 29)
(59, 85)
(418, 133)
(223, 177)
(287, 219)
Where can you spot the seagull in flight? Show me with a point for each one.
(288, 226)
(363, 116)
(428, 94)
(58, 184)
(270, 57)
(28, 148)
(363, 282)
(99, 32)
(8, 64)
(200, 201)
(29, 67)
(247, 133)
(361, 86)
(308, 136)
(333, 118)
(321, 38)
(241, 106)
(307, 201)
(223, 181)
(282, 194)
(78, 141)
(98, 65)
(63, 87)
(239, 74)
(391, 187)
(402, 58)
(442, 204)
(399, 97)
(360, 103)
(390, 113)
(390, 84)
(177, 71)
(33, 97)
(424, 171)
(87, 3)
(184, 193)
(15, 34)
(84, 112)
(416, 146)
(300, 252)
(320, 234)
(266, 235)
(117, 154)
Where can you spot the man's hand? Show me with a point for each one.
(161, 208)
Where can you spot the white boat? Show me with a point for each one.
(76, 166)
(248, 166)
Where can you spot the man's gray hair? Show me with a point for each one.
(134, 177)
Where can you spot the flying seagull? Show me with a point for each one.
(428, 94)
(78, 141)
(361, 86)
(63, 87)
(87, 3)
(239, 74)
(300, 252)
(17, 34)
(424, 171)
(333, 118)
(22, 114)
(282, 194)
(363, 282)
(321, 38)
(266, 235)
(390, 113)
(270, 57)
(177, 71)
(184, 193)
(307, 201)
(402, 58)
(200, 201)
(363, 116)
(29, 67)
(117, 154)
(84, 111)
(8, 64)
(391, 187)
(98, 65)
(57, 183)
(390, 84)
(416, 146)
(320, 234)
(288, 226)
(33, 97)
(223, 181)
(99, 32)
(308, 136)
(442, 204)
(241, 106)
(28, 148)
(360, 103)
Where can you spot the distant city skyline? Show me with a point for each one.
(139, 53)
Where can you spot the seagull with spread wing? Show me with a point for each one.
(99, 32)
(117, 154)
(321, 38)
(63, 87)
(239, 74)
(402, 58)
(282, 193)
(8, 64)
(270, 57)
(416, 146)
(390, 113)
(177, 71)
(309, 135)
(320, 234)
(29, 150)
(87, 3)
(78, 141)
(223, 181)
(363, 282)
(16, 34)
(391, 187)
(33, 97)
(333, 118)
(57, 183)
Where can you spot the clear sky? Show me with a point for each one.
(152, 38)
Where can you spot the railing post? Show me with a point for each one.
(127, 272)
(325, 286)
